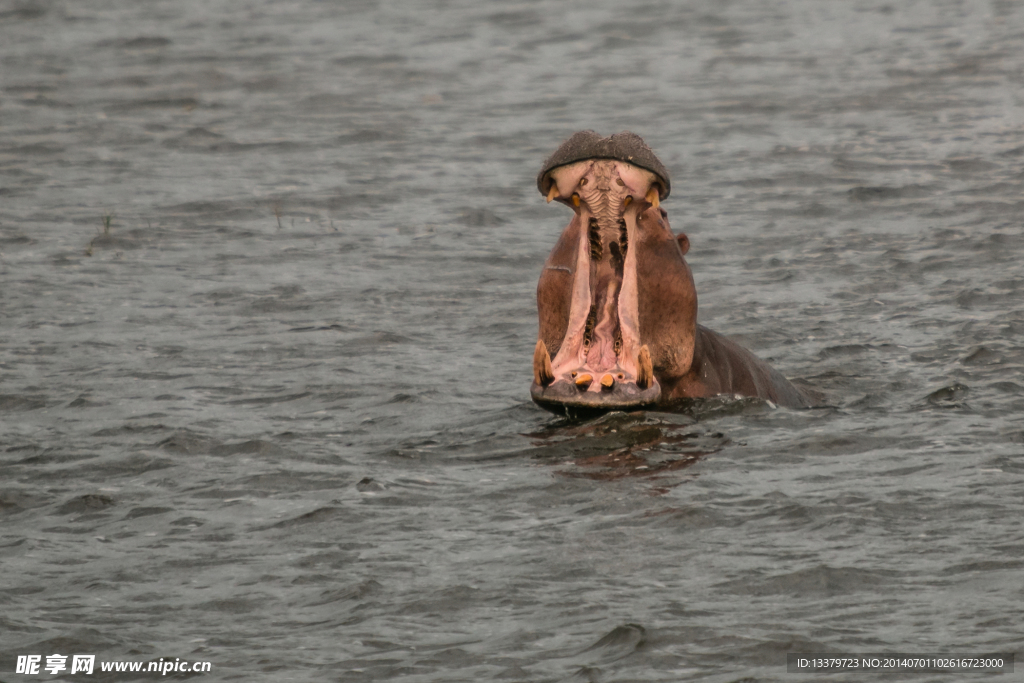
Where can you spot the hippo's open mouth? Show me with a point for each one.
(616, 301)
(600, 362)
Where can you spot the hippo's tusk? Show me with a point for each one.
(652, 196)
(542, 371)
(607, 381)
(584, 380)
(627, 200)
(645, 370)
(553, 192)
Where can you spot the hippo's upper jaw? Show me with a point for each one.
(588, 296)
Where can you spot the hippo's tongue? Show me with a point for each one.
(603, 325)
(603, 339)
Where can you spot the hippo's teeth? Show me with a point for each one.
(583, 381)
(575, 200)
(543, 374)
(553, 192)
(607, 381)
(596, 249)
(645, 370)
(652, 196)
(626, 201)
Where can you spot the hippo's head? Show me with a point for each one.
(616, 300)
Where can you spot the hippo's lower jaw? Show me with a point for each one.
(582, 387)
(566, 398)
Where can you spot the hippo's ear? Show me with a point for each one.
(684, 242)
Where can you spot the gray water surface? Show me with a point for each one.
(266, 319)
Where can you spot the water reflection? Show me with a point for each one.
(621, 445)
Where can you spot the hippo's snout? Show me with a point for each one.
(567, 397)
(588, 390)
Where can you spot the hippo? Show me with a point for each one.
(616, 301)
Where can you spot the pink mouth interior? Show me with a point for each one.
(603, 336)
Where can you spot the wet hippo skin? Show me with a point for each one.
(616, 300)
